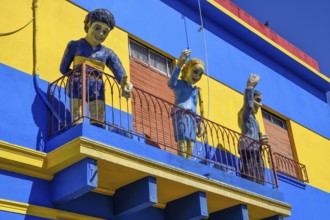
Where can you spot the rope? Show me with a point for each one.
(185, 28)
(35, 75)
(13, 32)
(35, 30)
(206, 58)
(205, 135)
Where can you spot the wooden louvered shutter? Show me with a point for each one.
(157, 127)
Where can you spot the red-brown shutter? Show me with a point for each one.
(278, 139)
(152, 120)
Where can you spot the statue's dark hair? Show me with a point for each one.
(256, 92)
(99, 15)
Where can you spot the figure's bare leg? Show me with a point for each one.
(190, 149)
(96, 111)
(76, 110)
(182, 148)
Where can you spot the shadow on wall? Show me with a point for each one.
(39, 113)
(43, 120)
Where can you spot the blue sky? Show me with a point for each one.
(304, 23)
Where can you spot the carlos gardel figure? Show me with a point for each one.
(186, 97)
(250, 149)
(89, 49)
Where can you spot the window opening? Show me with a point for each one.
(151, 57)
(274, 119)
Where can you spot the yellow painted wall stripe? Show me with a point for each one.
(26, 170)
(23, 160)
(20, 40)
(21, 154)
(313, 151)
(40, 211)
(64, 156)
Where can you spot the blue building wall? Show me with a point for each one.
(23, 115)
(307, 202)
(28, 128)
(230, 59)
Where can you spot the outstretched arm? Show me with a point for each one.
(175, 74)
(248, 94)
(253, 80)
(183, 57)
(115, 65)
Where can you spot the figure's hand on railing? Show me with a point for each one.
(263, 138)
(126, 87)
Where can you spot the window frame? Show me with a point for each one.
(168, 61)
(272, 118)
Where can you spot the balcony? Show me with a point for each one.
(134, 138)
(147, 117)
